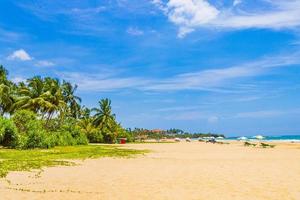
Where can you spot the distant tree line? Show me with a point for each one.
(143, 134)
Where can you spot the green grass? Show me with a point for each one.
(26, 160)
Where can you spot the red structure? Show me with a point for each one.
(122, 140)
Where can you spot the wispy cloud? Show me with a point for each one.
(81, 18)
(266, 113)
(9, 36)
(178, 108)
(215, 80)
(44, 63)
(189, 15)
(193, 116)
(20, 54)
(237, 2)
(103, 82)
(135, 31)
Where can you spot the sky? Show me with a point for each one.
(222, 66)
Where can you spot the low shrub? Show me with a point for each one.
(95, 136)
(26, 131)
(39, 139)
(8, 133)
(22, 118)
(35, 137)
(122, 133)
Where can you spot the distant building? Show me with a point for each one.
(157, 131)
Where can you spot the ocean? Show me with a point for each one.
(282, 137)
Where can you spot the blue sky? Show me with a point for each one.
(229, 66)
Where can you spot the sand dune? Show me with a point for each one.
(172, 171)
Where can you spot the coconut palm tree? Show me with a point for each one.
(6, 99)
(43, 96)
(3, 75)
(105, 120)
(85, 113)
(103, 116)
(53, 94)
(31, 95)
(6, 92)
(71, 99)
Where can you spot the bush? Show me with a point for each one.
(95, 136)
(39, 139)
(122, 133)
(35, 137)
(26, 131)
(70, 134)
(22, 118)
(79, 137)
(8, 133)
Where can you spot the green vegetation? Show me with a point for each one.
(265, 145)
(45, 112)
(140, 134)
(25, 160)
(247, 144)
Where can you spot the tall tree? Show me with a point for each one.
(105, 120)
(71, 99)
(6, 92)
(43, 96)
(103, 116)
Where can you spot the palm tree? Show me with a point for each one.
(70, 99)
(103, 116)
(6, 92)
(54, 95)
(3, 75)
(6, 99)
(85, 112)
(105, 120)
(31, 95)
(42, 96)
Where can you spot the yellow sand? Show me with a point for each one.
(172, 171)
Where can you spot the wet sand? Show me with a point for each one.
(171, 171)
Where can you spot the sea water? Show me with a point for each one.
(287, 138)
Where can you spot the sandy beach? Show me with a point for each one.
(171, 171)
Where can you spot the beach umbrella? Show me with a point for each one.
(259, 137)
(242, 138)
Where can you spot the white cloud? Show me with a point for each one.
(186, 116)
(44, 63)
(213, 119)
(20, 54)
(205, 79)
(103, 82)
(215, 80)
(266, 113)
(9, 36)
(189, 15)
(18, 79)
(237, 2)
(134, 31)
